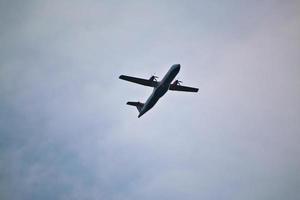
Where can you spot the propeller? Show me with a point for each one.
(177, 82)
(153, 78)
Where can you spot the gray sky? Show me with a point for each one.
(66, 133)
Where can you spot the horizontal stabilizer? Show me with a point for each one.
(138, 105)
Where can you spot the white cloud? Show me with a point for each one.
(67, 133)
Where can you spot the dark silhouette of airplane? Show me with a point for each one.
(160, 88)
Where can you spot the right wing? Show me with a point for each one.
(182, 88)
(140, 81)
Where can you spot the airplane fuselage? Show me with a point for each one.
(161, 89)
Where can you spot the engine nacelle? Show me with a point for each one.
(176, 82)
(153, 78)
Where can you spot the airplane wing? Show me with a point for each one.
(141, 81)
(182, 88)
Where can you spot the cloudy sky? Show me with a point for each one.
(66, 133)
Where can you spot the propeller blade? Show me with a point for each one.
(177, 82)
(153, 78)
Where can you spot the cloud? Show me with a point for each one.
(66, 132)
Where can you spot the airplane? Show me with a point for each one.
(160, 88)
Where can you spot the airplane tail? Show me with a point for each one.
(138, 105)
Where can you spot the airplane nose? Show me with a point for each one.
(177, 66)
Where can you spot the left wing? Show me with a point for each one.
(141, 81)
(176, 87)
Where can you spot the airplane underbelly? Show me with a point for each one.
(156, 95)
(161, 90)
